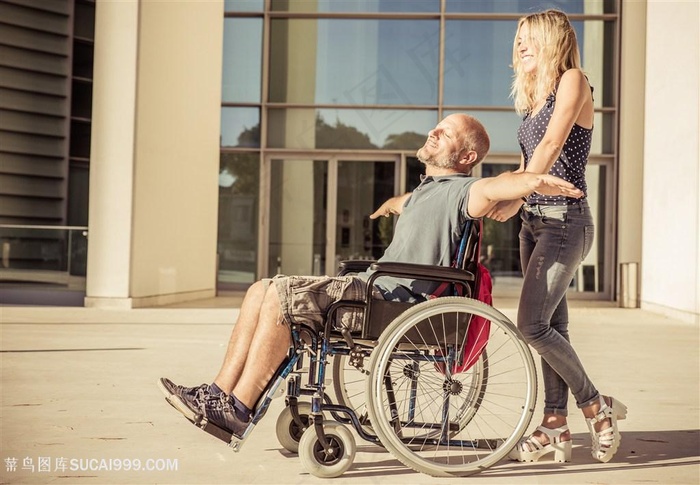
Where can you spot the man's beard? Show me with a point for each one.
(447, 161)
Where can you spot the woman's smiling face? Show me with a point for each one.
(527, 50)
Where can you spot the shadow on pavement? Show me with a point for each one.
(639, 450)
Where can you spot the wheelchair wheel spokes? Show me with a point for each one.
(421, 397)
(436, 415)
(349, 387)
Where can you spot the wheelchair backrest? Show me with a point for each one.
(380, 313)
(469, 250)
(466, 258)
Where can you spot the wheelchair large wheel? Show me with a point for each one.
(436, 415)
(350, 389)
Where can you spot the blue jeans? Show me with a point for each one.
(553, 242)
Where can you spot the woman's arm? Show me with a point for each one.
(573, 94)
(504, 210)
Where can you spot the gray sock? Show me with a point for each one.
(214, 389)
(242, 411)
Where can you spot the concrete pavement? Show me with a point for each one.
(80, 402)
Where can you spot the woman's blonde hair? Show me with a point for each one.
(554, 37)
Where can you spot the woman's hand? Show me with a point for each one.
(504, 210)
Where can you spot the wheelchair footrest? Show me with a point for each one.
(226, 436)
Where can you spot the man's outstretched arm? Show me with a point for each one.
(391, 206)
(484, 193)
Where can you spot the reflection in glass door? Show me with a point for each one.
(319, 213)
(362, 186)
(500, 251)
(500, 245)
(297, 217)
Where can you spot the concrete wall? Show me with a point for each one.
(112, 151)
(631, 133)
(155, 152)
(670, 273)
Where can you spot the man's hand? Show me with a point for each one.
(504, 210)
(546, 184)
(391, 206)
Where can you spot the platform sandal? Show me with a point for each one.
(604, 443)
(530, 449)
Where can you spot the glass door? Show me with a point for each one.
(297, 212)
(362, 186)
(319, 210)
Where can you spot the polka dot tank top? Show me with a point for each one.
(571, 164)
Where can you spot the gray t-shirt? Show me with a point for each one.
(428, 232)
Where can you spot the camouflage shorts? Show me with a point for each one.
(306, 299)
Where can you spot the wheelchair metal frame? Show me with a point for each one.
(321, 347)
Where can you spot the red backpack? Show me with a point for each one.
(479, 328)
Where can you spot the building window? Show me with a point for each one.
(318, 80)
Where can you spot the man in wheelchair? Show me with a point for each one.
(428, 232)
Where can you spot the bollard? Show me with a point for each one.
(629, 285)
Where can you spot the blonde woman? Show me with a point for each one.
(553, 96)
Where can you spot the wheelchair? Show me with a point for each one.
(447, 386)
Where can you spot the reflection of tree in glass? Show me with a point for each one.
(239, 172)
(340, 136)
(407, 140)
(243, 168)
(250, 138)
(344, 136)
(239, 175)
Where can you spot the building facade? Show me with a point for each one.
(238, 139)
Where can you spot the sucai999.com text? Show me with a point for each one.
(47, 464)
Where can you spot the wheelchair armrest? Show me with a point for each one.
(423, 271)
(354, 266)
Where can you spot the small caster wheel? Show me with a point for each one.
(339, 457)
(288, 431)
